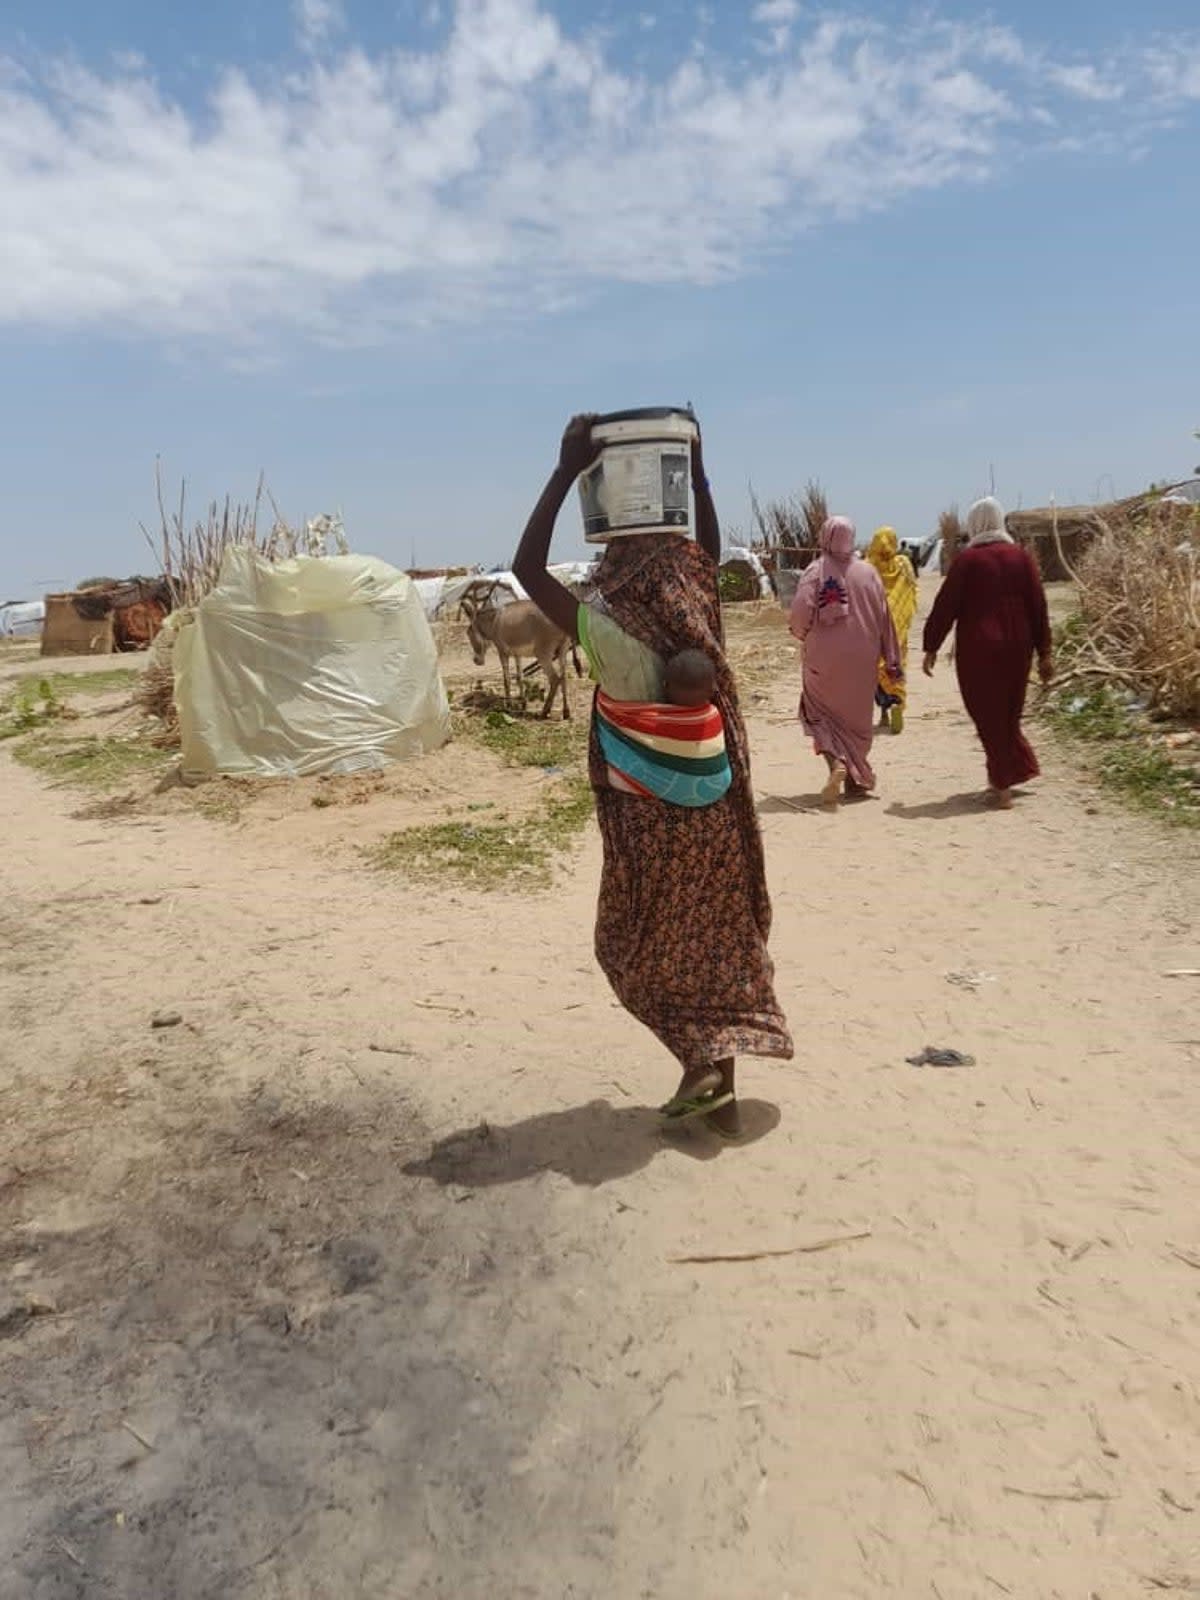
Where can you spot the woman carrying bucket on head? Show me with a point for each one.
(900, 586)
(683, 913)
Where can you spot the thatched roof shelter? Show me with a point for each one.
(1077, 526)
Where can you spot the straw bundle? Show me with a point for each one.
(1139, 602)
(790, 529)
(190, 555)
(155, 692)
(952, 535)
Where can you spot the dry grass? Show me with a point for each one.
(190, 552)
(952, 535)
(794, 523)
(1139, 611)
(154, 695)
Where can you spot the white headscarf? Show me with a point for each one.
(985, 524)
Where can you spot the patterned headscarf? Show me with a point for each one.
(837, 552)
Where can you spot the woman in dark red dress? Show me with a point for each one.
(994, 598)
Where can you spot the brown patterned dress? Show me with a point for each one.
(684, 914)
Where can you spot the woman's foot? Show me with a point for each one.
(697, 1086)
(896, 719)
(1000, 799)
(726, 1119)
(834, 784)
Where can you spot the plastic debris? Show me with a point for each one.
(935, 1056)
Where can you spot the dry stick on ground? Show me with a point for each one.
(766, 1255)
(71, 1555)
(1058, 547)
(1073, 1496)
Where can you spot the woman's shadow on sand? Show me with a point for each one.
(970, 804)
(589, 1144)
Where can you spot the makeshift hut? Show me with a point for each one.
(744, 575)
(313, 665)
(114, 615)
(1054, 532)
(1076, 526)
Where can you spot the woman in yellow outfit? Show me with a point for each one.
(900, 582)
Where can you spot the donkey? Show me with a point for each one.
(516, 630)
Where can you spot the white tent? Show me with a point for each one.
(22, 619)
(441, 596)
(318, 664)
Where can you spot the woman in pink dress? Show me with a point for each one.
(841, 617)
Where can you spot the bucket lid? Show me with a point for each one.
(647, 414)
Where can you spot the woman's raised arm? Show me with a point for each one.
(708, 529)
(552, 598)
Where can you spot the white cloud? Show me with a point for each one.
(511, 167)
(1085, 81)
(318, 20)
(777, 16)
(775, 13)
(1176, 71)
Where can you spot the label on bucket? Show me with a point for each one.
(635, 488)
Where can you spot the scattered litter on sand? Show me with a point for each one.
(933, 1056)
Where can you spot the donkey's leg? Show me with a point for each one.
(547, 666)
(554, 682)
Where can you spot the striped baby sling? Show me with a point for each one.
(662, 752)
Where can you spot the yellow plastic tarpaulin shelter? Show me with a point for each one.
(318, 664)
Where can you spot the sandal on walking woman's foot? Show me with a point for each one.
(834, 784)
(698, 1094)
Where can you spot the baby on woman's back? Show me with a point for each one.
(689, 679)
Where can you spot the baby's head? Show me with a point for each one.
(689, 679)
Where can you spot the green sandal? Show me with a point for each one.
(684, 1107)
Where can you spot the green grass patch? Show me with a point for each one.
(526, 741)
(490, 855)
(1128, 754)
(93, 763)
(37, 699)
(32, 704)
(109, 681)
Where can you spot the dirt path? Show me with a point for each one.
(321, 1320)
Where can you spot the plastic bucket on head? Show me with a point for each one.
(640, 482)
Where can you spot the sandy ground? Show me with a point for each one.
(364, 1278)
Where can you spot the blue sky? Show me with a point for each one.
(383, 250)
